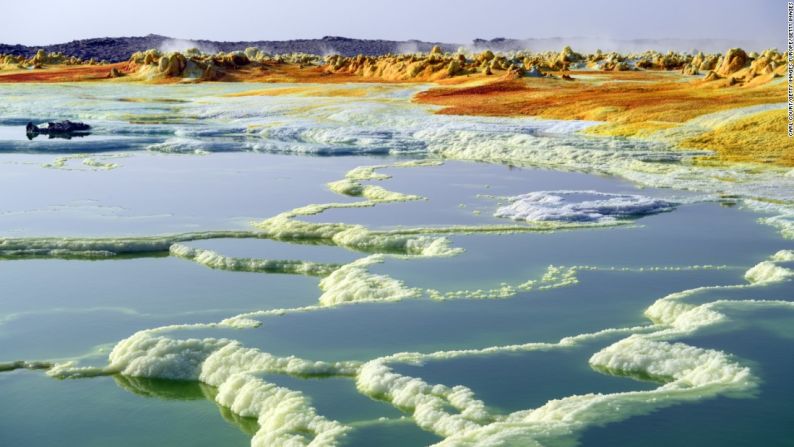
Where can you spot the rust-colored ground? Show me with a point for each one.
(616, 99)
(62, 73)
(636, 104)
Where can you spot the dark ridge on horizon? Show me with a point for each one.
(117, 49)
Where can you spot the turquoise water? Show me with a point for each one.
(184, 281)
(37, 410)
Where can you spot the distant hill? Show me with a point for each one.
(116, 49)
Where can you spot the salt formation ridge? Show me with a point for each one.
(215, 260)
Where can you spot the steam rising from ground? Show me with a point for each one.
(180, 45)
(593, 43)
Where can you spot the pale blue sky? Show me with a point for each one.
(55, 21)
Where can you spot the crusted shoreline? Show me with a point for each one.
(650, 95)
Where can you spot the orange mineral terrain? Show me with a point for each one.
(643, 105)
(730, 104)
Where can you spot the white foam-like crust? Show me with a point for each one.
(233, 358)
(285, 417)
(151, 354)
(673, 310)
(95, 163)
(145, 355)
(580, 206)
(285, 226)
(355, 237)
(105, 247)
(554, 277)
(375, 193)
(354, 283)
(427, 403)
(768, 272)
(680, 366)
(783, 256)
(690, 373)
(780, 215)
(216, 260)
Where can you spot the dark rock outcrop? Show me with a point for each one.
(58, 129)
(118, 49)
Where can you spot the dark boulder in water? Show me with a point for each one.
(59, 129)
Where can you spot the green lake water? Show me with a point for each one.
(514, 314)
